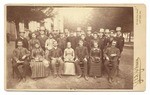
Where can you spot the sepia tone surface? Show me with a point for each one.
(132, 63)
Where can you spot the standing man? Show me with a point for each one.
(49, 44)
(23, 39)
(120, 39)
(72, 40)
(62, 42)
(119, 44)
(101, 39)
(20, 55)
(88, 38)
(106, 38)
(78, 35)
(81, 53)
(42, 38)
(56, 58)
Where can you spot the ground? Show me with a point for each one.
(123, 81)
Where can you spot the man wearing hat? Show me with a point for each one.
(120, 39)
(66, 31)
(112, 37)
(119, 44)
(42, 38)
(106, 39)
(78, 35)
(23, 39)
(56, 34)
(101, 38)
(20, 55)
(88, 38)
(72, 40)
(62, 41)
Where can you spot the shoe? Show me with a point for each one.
(86, 78)
(95, 77)
(19, 79)
(24, 79)
(55, 76)
(59, 76)
(79, 76)
(109, 80)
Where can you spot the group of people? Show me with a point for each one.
(87, 54)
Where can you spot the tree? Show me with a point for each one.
(27, 13)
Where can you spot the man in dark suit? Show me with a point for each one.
(23, 39)
(42, 38)
(20, 57)
(81, 53)
(88, 38)
(72, 40)
(120, 39)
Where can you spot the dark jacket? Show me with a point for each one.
(24, 41)
(81, 52)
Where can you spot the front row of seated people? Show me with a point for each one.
(67, 62)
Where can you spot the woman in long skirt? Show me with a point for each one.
(95, 61)
(38, 64)
(69, 67)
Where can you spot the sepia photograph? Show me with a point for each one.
(73, 47)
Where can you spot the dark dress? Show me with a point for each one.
(95, 62)
(39, 67)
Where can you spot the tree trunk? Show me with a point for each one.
(130, 37)
(17, 27)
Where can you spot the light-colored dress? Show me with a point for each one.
(69, 67)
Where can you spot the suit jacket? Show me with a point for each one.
(18, 53)
(120, 43)
(42, 40)
(24, 40)
(55, 53)
(112, 50)
(81, 52)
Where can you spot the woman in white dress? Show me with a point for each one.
(69, 67)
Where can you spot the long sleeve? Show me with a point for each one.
(76, 53)
(46, 44)
(73, 54)
(65, 53)
(27, 52)
(118, 53)
(15, 55)
(86, 52)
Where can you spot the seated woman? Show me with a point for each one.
(38, 63)
(95, 61)
(69, 67)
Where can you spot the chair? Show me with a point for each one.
(12, 62)
(13, 72)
